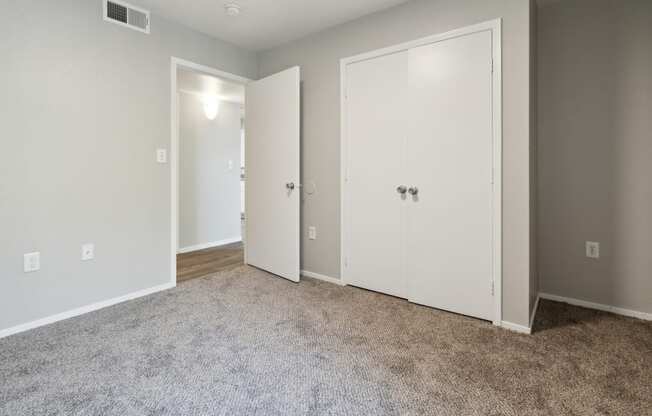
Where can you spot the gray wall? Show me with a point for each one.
(319, 55)
(534, 205)
(209, 192)
(83, 106)
(595, 150)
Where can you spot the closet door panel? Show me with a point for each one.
(449, 220)
(376, 132)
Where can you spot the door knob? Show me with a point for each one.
(290, 185)
(402, 189)
(413, 190)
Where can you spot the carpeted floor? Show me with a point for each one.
(246, 343)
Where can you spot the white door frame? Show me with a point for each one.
(495, 27)
(173, 156)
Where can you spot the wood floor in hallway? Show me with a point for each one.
(208, 261)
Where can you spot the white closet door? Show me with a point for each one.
(449, 227)
(272, 192)
(376, 122)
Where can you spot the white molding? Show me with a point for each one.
(490, 25)
(601, 307)
(533, 312)
(175, 64)
(211, 244)
(495, 27)
(182, 63)
(516, 327)
(82, 310)
(318, 276)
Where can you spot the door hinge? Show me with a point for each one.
(492, 66)
(492, 288)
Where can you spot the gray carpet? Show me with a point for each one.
(246, 343)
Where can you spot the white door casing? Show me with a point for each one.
(272, 192)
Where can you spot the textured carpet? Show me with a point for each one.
(246, 343)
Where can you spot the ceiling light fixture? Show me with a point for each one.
(232, 9)
(211, 106)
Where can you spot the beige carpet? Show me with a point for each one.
(247, 343)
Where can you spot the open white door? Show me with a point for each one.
(272, 191)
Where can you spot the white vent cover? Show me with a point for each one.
(126, 15)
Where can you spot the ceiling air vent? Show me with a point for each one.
(126, 15)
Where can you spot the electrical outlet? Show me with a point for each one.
(161, 156)
(230, 164)
(88, 252)
(312, 232)
(31, 262)
(592, 250)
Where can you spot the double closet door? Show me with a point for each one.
(418, 176)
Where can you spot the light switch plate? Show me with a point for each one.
(161, 155)
(32, 262)
(88, 251)
(312, 233)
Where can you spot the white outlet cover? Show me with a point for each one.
(31, 262)
(592, 249)
(312, 233)
(161, 155)
(88, 252)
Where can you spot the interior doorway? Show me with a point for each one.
(208, 170)
(271, 237)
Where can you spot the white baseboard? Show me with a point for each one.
(533, 312)
(82, 310)
(592, 305)
(318, 276)
(516, 327)
(209, 245)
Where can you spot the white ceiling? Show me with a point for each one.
(263, 24)
(200, 84)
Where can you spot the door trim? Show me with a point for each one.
(495, 27)
(173, 154)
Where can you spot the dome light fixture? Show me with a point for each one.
(211, 106)
(232, 9)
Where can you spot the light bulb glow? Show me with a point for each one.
(211, 106)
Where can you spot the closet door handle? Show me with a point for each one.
(401, 189)
(413, 190)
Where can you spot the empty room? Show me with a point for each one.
(309, 207)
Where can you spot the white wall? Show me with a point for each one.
(595, 150)
(209, 192)
(83, 106)
(319, 55)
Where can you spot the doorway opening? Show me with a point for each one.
(207, 168)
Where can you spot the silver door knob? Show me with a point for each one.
(290, 185)
(402, 189)
(413, 190)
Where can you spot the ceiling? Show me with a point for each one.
(263, 24)
(200, 84)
